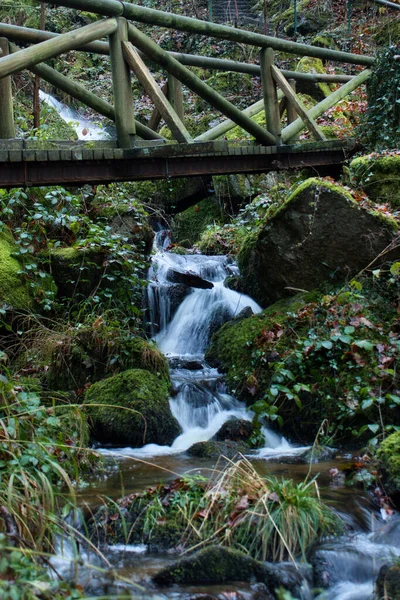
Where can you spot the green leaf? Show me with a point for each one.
(327, 344)
(367, 403)
(346, 339)
(364, 344)
(349, 329)
(395, 269)
(374, 427)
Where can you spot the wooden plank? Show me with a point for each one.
(7, 127)
(155, 117)
(122, 87)
(297, 105)
(162, 104)
(194, 83)
(175, 96)
(270, 94)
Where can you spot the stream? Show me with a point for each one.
(182, 322)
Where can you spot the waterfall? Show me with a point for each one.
(85, 129)
(183, 320)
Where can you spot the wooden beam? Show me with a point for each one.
(7, 127)
(291, 113)
(270, 94)
(297, 105)
(64, 43)
(79, 92)
(189, 79)
(146, 79)
(151, 16)
(155, 117)
(34, 36)
(122, 87)
(319, 109)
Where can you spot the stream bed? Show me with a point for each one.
(182, 322)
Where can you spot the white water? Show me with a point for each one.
(85, 129)
(183, 321)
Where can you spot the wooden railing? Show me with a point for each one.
(131, 50)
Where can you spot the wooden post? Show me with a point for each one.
(297, 105)
(7, 127)
(175, 95)
(291, 113)
(122, 87)
(160, 101)
(270, 94)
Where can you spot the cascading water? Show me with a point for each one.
(85, 129)
(183, 319)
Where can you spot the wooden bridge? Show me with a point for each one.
(140, 152)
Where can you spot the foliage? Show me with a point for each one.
(380, 126)
(268, 518)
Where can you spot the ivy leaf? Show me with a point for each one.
(364, 344)
(374, 427)
(346, 339)
(327, 344)
(367, 403)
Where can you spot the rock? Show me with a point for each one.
(387, 585)
(215, 449)
(216, 565)
(319, 233)
(189, 279)
(189, 224)
(14, 291)
(212, 565)
(389, 455)
(379, 177)
(131, 408)
(318, 91)
(237, 430)
(388, 534)
(245, 313)
(125, 224)
(88, 354)
(77, 271)
(177, 362)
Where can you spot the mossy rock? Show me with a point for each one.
(320, 90)
(389, 455)
(77, 271)
(88, 354)
(14, 290)
(212, 565)
(190, 224)
(226, 83)
(216, 449)
(387, 585)
(131, 408)
(232, 346)
(320, 233)
(379, 177)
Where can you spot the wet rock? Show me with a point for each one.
(388, 534)
(216, 565)
(211, 565)
(245, 313)
(388, 583)
(189, 279)
(213, 449)
(131, 408)
(237, 430)
(319, 234)
(182, 363)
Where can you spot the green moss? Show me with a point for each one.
(310, 64)
(389, 455)
(131, 408)
(233, 345)
(87, 354)
(189, 224)
(388, 34)
(14, 291)
(379, 176)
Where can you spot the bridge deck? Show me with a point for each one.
(23, 163)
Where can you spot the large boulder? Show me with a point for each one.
(14, 291)
(389, 455)
(237, 430)
(188, 278)
(379, 177)
(388, 583)
(131, 408)
(320, 233)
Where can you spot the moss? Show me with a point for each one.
(233, 345)
(179, 250)
(212, 565)
(131, 408)
(310, 64)
(389, 455)
(87, 354)
(14, 291)
(388, 34)
(226, 83)
(379, 176)
(189, 224)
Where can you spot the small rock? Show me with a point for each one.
(237, 430)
